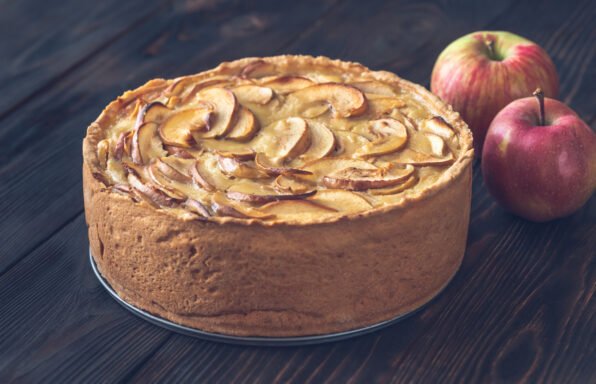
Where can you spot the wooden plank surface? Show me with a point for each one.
(521, 308)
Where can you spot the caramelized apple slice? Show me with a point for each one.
(322, 142)
(202, 177)
(238, 153)
(235, 168)
(345, 100)
(123, 144)
(341, 200)
(103, 150)
(253, 94)
(374, 87)
(146, 144)
(384, 105)
(410, 156)
(224, 105)
(272, 168)
(154, 112)
(252, 192)
(437, 144)
(246, 126)
(300, 208)
(149, 193)
(358, 179)
(197, 207)
(391, 135)
(438, 126)
(223, 206)
(178, 129)
(284, 139)
(287, 84)
(322, 167)
(409, 183)
(174, 168)
(163, 182)
(257, 68)
(289, 184)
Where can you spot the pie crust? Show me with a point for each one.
(280, 275)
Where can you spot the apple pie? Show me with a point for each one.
(280, 196)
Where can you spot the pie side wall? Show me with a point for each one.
(282, 280)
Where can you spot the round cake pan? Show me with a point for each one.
(243, 340)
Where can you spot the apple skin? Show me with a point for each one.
(539, 172)
(479, 84)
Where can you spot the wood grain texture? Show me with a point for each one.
(521, 309)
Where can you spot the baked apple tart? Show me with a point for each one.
(281, 196)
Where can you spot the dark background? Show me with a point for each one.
(521, 309)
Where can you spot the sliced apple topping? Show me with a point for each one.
(272, 168)
(322, 142)
(103, 150)
(197, 207)
(123, 144)
(146, 144)
(236, 168)
(178, 152)
(284, 139)
(287, 84)
(246, 126)
(149, 193)
(223, 206)
(410, 156)
(437, 144)
(258, 68)
(178, 129)
(154, 112)
(163, 182)
(257, 193)
(253, 94)
(300, 208)
(348, 143)
(375, 88)
(438, 126)
(358, 179)
(289, 184)
(391, 137)
(409, 183)
(224, 110)
(384, 106)
(320, 168)
(238, 153)
(341, 200)
(175, 168)
(345, 100)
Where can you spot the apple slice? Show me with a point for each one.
(345, 100)
(410, 156)
(375, 88)
(146, 144)
(253, 94)
(178, 129)
(178, 152)
(297, 208)
(438, 126)
(241, 154)
(123, 144)
(175, 168)
(383, 106)
(149, 193)
(391, 137)
(252, 192)
(163, 182)
(272, 168)
(103, 150)
(283, 140)
(409, 183)
(246, 126)
(437, 144)
(197, 207)
(322, 167)
(154, 112)
(223, 206)
(224, 106)
(289, 184)
(341, 200)
(258, 68)
(347, 143)
(322, 142)
(235, 168)
(288, 84)
(358, 179)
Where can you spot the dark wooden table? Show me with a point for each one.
(521, 309)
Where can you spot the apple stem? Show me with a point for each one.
(490, 44)
(540, 96)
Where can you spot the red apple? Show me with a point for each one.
(480, 73)
(539, 159)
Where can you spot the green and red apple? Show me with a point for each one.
(480, 73)
(539, 159)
